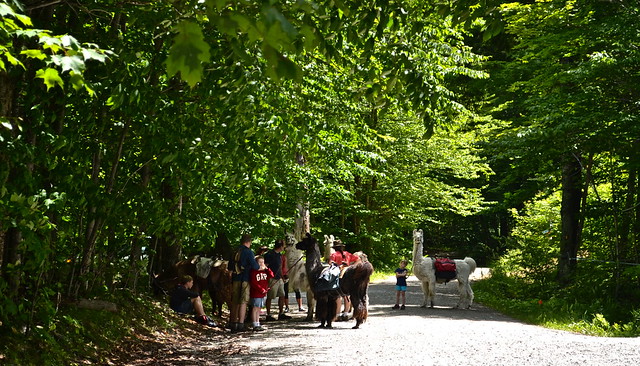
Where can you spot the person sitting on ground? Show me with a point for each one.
(273, 259)
(259, 288)
(185, 301)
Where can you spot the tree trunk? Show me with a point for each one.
(303, 221)
(570, 216)
(136, 243)
(168, 248)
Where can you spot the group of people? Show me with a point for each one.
(258, 279)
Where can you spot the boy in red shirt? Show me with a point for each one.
(259, 286)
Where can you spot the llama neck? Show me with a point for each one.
(417, 252)
(313, 264)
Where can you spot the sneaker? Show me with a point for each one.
(402, 307)
(269, 318)
(286, 309)
(283, 317)
(302, 310)
(258, 328)
(206, 321)
(211, 323)
(395, 307)
(239, 328)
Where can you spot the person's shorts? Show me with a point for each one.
(276, 288)
(240, 293)
(185, 308)
(257, 302)
(401, 288)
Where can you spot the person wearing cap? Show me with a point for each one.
(341, 258)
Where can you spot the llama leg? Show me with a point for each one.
(468, 295)
(432, 292)
(332, 305)
(311, 302)
(462, 291)
(425, 291)
(357, 326)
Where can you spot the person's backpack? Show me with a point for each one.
(445, 268)
(329, 279)
(235, 263)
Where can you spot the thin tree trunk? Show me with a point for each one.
(303, 221)
(570, 216)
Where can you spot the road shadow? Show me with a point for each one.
(382, 297)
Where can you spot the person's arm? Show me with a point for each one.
(285, 271)
(253, 264)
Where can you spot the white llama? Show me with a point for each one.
(298, 279)
(328, 247)
(424, 269)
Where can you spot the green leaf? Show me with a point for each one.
(68, 63)
(6, 10)
(34, 54)
(12, 60)
(188, 52)
(51, 77)
(76, 80)
(89, 54)
(70, 42)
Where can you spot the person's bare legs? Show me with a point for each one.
(281, 305)
(197, 306)
(255, 315)
(268, 306)
(242, 313)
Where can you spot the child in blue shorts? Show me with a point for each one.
(401, 284)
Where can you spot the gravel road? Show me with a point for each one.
(430, 337)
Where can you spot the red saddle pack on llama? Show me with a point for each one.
(445, 268)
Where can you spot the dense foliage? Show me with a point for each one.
(133, 134)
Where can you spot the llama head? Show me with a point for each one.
(290, 240)
(418, 237)
(328, 240)
(307, 243)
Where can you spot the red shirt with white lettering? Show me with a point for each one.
(259, 282)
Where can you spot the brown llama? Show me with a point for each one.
(354, 282)
(217, 282)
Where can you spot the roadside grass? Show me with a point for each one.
(78, 336)
(555, 308)
(378, 276)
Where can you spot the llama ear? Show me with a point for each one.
(420, 230)
(332, 237)
(326, 237)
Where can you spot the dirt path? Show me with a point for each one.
(415, 336)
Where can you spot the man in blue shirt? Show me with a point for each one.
(241, 264)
